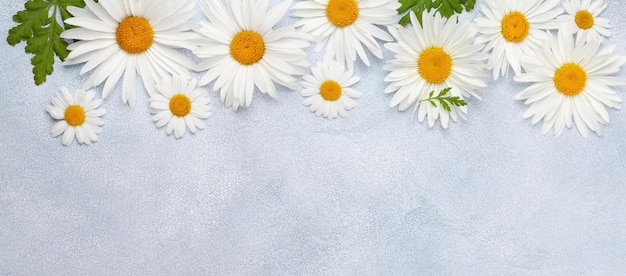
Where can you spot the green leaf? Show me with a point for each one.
(446, 8)
(445, 106)
(42, 33)
(31, 19)
(444, 101)
(417, 6)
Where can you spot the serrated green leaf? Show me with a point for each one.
(405, 5)
(43, 60)
(58, 45)
(417, 6)
(446, 8)
(444, 101)
(42, 33)
(31, 19)
(445, 105)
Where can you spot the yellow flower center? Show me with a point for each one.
(434, 65)
(74, 115)
(570, 79)
(247, 47)
(134, 35)
(584, 19)
(330, 90)
(180, 105)
(342, 12)
(515, 27)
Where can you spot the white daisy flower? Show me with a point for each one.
(241, 50)
(431, 57)
(345, 26)
(327, 90)
(126, 37)
(79, 115)
(582, 18)
(570, 82)
(512, 29)
(179, 104)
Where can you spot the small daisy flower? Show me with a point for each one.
(582, 18)
(570, 82)
(431, 57)
(179, 104)
(512, 29)
(327, 90)
(78, 114)
(120, 38)
(241, 50)
(345, 26)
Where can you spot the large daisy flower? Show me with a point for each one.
(431, 57)
(78, 114)
(512, 29)
(570, 82)
(125, 37)
(179, 104)
(242, 50)
(582, 18)
(327, 90)
(345, 26)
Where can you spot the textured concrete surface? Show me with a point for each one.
(272, 189)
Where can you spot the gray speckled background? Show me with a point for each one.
(272, 189)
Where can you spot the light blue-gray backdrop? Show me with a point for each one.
(272, 189)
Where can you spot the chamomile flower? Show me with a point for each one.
(512, 29)
(431, 57)
(345, 26)
(327, 90)
(570, 83)
(179, 104)
(241, 50)
(120, 38)
(582, 17)
(79, 116)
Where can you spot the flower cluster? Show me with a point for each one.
(553, 45)
(569, 80)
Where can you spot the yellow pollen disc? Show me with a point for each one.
(247, 47)
(74, 115)
(134, 35)
(342, 12)
(515, 27)
(434, 65)
(584, 19)
(180, 105)
(570, 79)
(330, 90)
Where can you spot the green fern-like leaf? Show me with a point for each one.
(446, 8)
(444, 101)
(41, 33)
